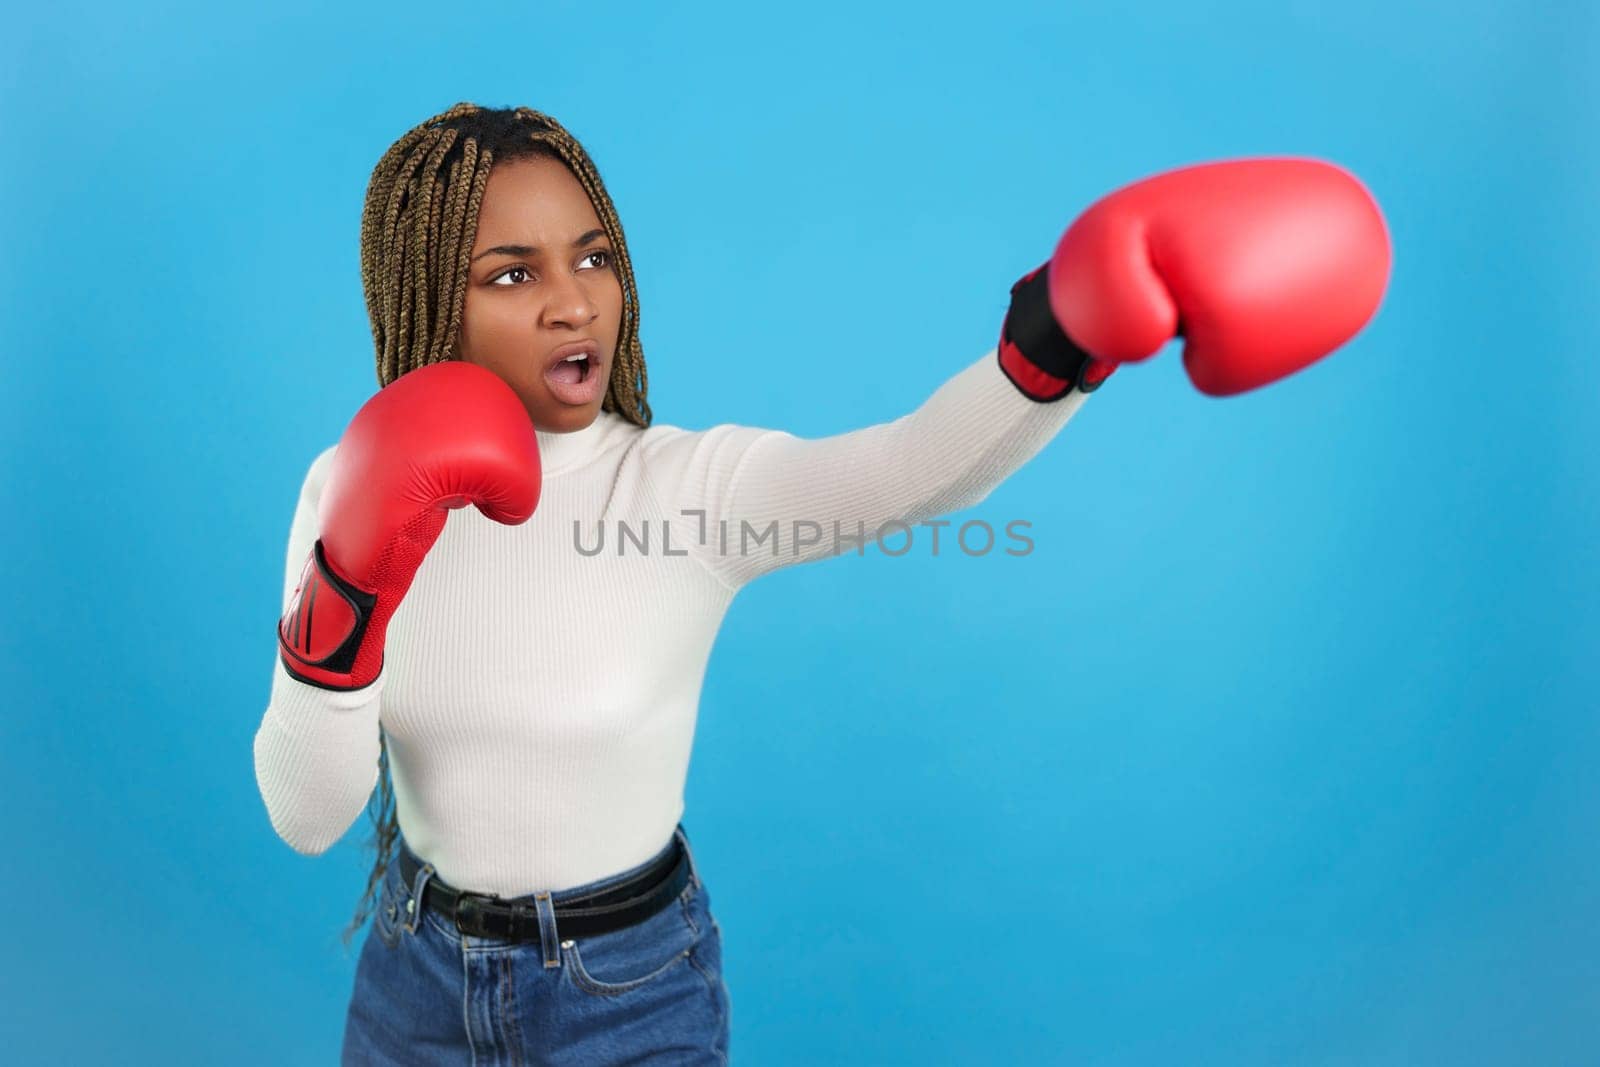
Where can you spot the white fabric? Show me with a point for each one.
(539, 704)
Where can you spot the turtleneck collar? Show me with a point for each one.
(563, 451)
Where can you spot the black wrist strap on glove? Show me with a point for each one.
(321, 633)
(1035, 353)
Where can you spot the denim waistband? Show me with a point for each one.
(612, 902)
(577, 892)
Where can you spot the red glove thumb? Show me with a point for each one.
(1264, 266)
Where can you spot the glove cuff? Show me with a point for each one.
(322, 632)
(1036, 354)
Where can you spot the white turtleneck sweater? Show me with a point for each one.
(539, 700)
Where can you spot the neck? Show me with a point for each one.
(562, 451)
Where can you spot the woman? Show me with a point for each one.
(533, 698)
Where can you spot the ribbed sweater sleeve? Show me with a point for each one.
(316, 751)
(949, 453)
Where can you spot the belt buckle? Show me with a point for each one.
(470, 909)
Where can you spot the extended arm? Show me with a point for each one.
(778, 497)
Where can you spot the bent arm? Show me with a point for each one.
(316, 751)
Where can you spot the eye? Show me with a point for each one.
(509, 273)
(604, 253)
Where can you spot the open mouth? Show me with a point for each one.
(574, 371)
(578, 379)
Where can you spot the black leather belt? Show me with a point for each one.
(600, 912)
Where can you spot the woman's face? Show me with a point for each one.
(542, 278)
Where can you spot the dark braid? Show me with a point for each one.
(418, 226)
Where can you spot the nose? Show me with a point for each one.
(570, 305)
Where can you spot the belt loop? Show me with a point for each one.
(548, 935)
(414, 899)
(683, 840)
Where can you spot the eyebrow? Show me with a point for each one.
(530, 250)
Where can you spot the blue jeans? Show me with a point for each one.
(425, 993)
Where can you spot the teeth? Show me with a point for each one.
(572, 359)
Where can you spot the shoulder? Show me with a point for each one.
(667, 446)
(666, 438)
(317, 474)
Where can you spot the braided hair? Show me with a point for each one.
(418, 225)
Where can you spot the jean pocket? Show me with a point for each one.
(622, 960)
(390, 916)
(709, 952)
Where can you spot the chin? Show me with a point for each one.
(562, 419)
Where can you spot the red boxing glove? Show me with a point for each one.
(442, 436)
(1263, 266)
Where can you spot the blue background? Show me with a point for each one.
(1279, 748)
